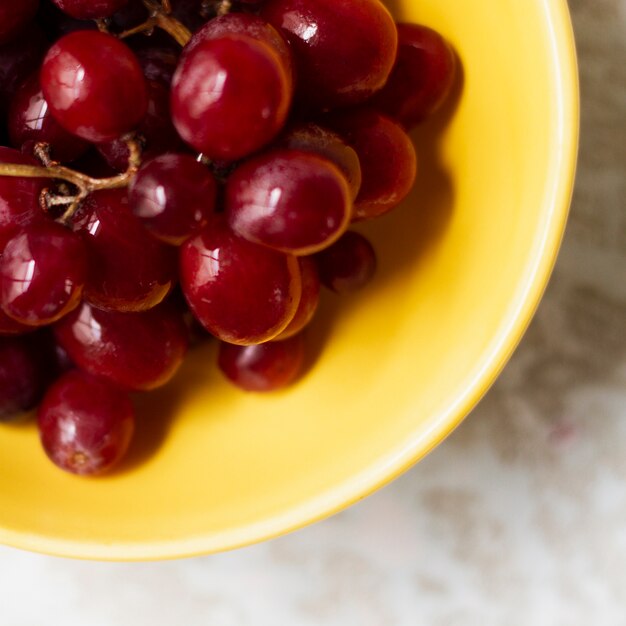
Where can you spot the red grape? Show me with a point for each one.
(344, 51)
(94, 85)
(308, 300)
(348, 265)
(289, 200)
(139, 351)
(30, 122)
(42, 273)
(89, 9)
(129, 270)
(266, 367)
(158, 64)
(314, 138)
(85, 424)
(19, 197)
(422, 77)
(21, 377)
(241, 292)
(230, 96)
(14, 16)
(387, 157)
(173, 196)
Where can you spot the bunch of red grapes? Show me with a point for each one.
(183, 165)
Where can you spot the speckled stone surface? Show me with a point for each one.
(518, 519)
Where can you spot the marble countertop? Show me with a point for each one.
(518, 519)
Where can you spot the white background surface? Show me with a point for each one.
(518, 519)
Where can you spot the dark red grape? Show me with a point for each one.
(42, 273)
(230, 96)
(387, 157)
(138, 351)
(241, 292)
(30, 122)
(19, 59)
(289, 200)
(94, 85)
(85, 423)
(308, 300)
(421, 78)
(348, 265)
(89, 9)
(19, 197)
(129, 270)
(344, 51)
(156, 131)
(266, 367)
(21, 377)
(173, 196)
(314, 138)
(14, 16)
(158, 64)
(244, 24)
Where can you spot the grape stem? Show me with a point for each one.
(160, 18)
(82, 182)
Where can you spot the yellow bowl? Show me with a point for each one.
(463, 265)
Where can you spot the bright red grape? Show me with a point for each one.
(138, 351)
(387, 157)
(31, 122)
(344, 51)
(421, 78)
(266, 367)
(85, 424)
(129, 270)
(348, 265)
(241, 292)
(21, 377)
(173, 196)
(14, 16)
(289, 200)
(42, 273)
(19, 197)
(308, 300)
(230, 96)
(94, 85)
(315, 138)
(89, 9)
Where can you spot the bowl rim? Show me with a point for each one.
(382, 472)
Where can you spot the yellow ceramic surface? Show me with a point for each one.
(462, 267)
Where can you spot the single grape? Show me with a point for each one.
(387, 157)
(21, 377)
(266, 367)
(139, 351)
(308, 300)
(158, 64)
(348, 265)
(230, 96)
(89, 9)
(241, 292)
(19, 59)
(344, 51)
(421, 78)
(19, 197)
(173, 196)
(30, 122)
(244, 24)
(289, 200)
(42, 273)
(155, 129)
(94, 85)
(129, 270)
(315, 138)
(85, 424)
(14, 16)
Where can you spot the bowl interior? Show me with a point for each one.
(462, 265)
